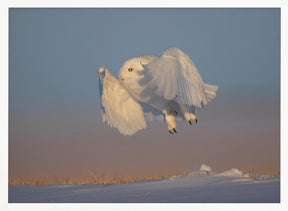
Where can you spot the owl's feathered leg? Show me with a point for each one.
(188, 113)
(170, 118)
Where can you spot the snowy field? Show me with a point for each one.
(202, 186)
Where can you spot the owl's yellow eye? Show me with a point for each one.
(130, 69)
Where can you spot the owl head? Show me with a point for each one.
(131, 68)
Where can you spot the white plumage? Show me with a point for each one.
(169, 85)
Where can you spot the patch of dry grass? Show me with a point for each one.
(108, 178)
(264, 174)
(90, 178)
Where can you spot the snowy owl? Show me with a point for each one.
(149, 86)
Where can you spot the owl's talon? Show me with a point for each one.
(190, 122)
(196, 120)
(171, 131)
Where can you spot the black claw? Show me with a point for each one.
(171, 131)
(196, 120)
(176, 112)
(190, 122)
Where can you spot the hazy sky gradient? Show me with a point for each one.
(55, 126)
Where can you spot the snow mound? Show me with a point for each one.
(205, 168)
(231, 173)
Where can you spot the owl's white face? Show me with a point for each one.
(130, 70)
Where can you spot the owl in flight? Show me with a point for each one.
(148, 86)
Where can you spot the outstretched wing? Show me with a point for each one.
(119, 108)
(175, 77)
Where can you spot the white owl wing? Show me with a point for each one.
(175, 77)
(119, 108)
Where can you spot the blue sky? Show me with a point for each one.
(54, 55)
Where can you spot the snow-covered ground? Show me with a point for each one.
(199, 186)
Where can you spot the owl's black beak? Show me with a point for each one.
(121, 78)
